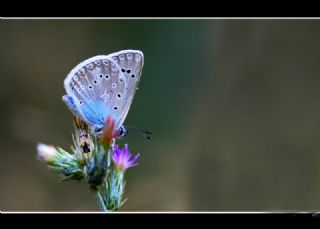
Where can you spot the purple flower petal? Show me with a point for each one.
(123, 158)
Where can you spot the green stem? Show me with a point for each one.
(101, 202)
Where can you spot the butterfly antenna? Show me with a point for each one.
(146, 134)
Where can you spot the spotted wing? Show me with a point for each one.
(96, 88)
(131, 64)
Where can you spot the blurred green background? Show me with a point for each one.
(234, 106)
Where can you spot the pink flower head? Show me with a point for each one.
(123, 158)
(108, 130)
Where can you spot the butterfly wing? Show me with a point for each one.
(131, 65)
(96, 88)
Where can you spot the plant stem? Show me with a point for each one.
(101, 202)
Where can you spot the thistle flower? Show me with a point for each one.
(123, 158)
(60, 161)
(46, 153)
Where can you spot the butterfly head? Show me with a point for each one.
(119, 133)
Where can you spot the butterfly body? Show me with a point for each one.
(104, 86)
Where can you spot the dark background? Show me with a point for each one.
(234, 106)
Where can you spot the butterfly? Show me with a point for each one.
(103, 86)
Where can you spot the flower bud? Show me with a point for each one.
(46, 152)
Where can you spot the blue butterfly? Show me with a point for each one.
(104, 86)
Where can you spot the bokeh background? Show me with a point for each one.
(234, 106)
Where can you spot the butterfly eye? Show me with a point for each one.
(123, 132)
(119, 95)
(123, 70)
(90, 87)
